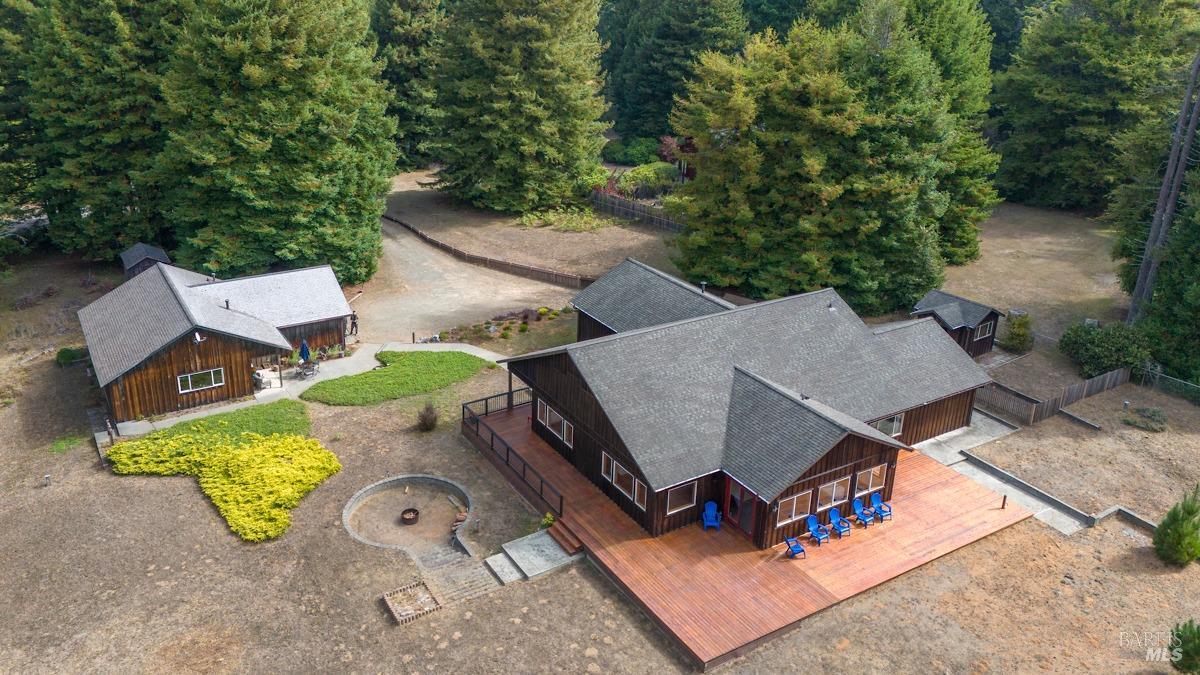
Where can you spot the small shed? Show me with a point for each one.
(971, 324)
(141, 257)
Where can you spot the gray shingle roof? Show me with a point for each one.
(633, 295)
(667, 389)
(139, 252)
(953, 310)
(773, 435)
(152, 310)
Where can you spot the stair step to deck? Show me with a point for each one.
(504, 568)
(537, 554)
(562, 534)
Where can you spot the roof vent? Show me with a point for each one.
(226, 303)
(703, 285)
(831, 307)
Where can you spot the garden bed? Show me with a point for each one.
(402, 374)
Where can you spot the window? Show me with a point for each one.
(623, 480)
(205, 379)
(984, 330)
(832, 494)
(871, 480)
(606, 466)
(892, 426)
(556, 424)
(640, 500)
(794, 508)
(680, 498)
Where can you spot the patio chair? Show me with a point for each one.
(711, 516)
(794, 547)
(863, 514)
(817, 531)
(883, 510)
(838, 523)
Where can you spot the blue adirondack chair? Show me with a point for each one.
(883, 510)
(817, 531)
(838, 523)
(864, 515)
(712, 517)
(794, 547)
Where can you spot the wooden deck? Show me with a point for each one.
(715, 594)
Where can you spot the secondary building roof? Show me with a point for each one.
(667, 389)
(139, 252)
(952, 310)
(633, 295)
(150, 311)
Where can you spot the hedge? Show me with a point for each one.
(403, 374)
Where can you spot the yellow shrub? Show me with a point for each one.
(253, 480)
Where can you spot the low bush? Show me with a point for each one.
(1098, 350)
(1177, 539)
(566, 219)
(1186, 638)
(1148, 419)
(403, 374)
(523, 328)
(650, 180)
(547, 521)
(427, 419)
(253, 479)
(634, 152)
(68, 355)
(1018, 336)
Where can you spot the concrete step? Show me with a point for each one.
(537, 554)
(504, 568)
(435, 558)
(463, 580)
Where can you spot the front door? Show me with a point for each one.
(739, 506)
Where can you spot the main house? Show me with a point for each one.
(169, 339)
(775, 410)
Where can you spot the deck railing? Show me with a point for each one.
(472, 422)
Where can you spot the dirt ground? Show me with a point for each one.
(1093, 470)
(500, 236)
(1042, 373)
(1055, 265)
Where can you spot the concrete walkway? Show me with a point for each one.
(361, 361)
(948, 450)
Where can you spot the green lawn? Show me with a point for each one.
(255, 464)
(403, 374)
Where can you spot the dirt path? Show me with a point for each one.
(421, 289)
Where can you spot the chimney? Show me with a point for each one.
(226, 303)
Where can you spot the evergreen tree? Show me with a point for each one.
(281, 147)
(1177, 539)
(818, 163)
(659, 55)
(1085, 71)
(1006, 18)
(613, 27)
(777, 15)
(17, 172)
(519, 87)
(94, 71)
(408, 32)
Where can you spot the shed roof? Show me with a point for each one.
(952, 310)
(634, 295)
(140, 251)
(667, 389)
(145, 314)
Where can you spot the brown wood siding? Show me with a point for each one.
(320, 334)
(554, 379)
(708, 488)
(152, 388)
(965, 336)
(847, 458)
(588, 328)
(937, 417)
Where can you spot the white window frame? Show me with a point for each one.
(990, 325)
(791, 509)
(565, 431)
(859, 490)
(836, 501)
(640, 490)
(677, 509)
(606, 466)
(898, 428)
(214, 373)
(617, 470)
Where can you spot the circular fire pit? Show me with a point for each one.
(414, 512)
(410, 516)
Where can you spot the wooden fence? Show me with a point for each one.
(615, 205)
(1025, 409)
(528, 271)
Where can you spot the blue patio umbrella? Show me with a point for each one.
(304, 352)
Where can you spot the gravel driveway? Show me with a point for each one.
(421, 289)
